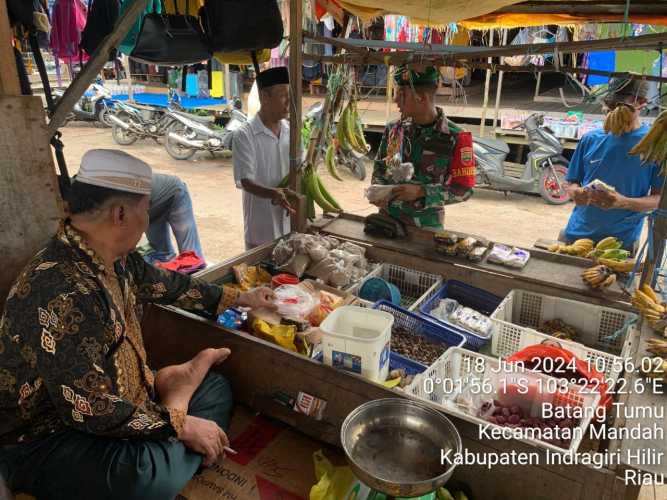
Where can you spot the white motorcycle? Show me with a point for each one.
(188, 134)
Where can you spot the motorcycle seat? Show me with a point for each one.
(496, 144)
(201, 119)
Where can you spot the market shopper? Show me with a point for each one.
(440, 153)
(260, 150)
(605, 155)
(81, 414)
(170, 211)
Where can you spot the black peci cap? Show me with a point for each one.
(273, 76)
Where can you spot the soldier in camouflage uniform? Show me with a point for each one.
(444, 172)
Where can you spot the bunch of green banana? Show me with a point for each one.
(313, 189)
(599, 277)
(350, 131)
(330, 161)
(315, 192)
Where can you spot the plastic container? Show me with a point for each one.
(415, 286)
(357, 339)
(447, 378)
(602, 328)
(417, 325)
(374, 289)
(468, 296)
(284, 279)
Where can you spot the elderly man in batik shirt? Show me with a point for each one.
(81, 413)
(440, 153)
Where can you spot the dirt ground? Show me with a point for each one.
(516, 219)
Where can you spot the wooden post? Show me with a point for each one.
(95, 64)
(295, 64)
(228, 86)
(482, 124)
(499, 90)
(9, 77)
(659, 235)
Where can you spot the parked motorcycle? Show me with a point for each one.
(136, 121)
(544, 171)
(348, 158)
(95, 105)
(189, 133)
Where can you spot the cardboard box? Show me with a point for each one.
(273, 462)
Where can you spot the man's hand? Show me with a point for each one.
(258, 298)
(204, 437)
(408, 192)
(607, 200)
(579, 195)
(281, 197)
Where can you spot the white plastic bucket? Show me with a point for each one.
(357, 339)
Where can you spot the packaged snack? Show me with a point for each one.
(499, 254)
(518, 258)
(477, 254)
(282, 335)
(292, 301)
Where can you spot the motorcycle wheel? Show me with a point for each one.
(177, 151)
(103, 117)
(552, 189)
(358, 168)
(121, 136)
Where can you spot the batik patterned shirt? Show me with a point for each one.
(71, 349)
(429, 148)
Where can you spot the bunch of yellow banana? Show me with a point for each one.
(619, 266)
(330, 161)
(650, 307)
(653, 147)
(599, 277)
(579, 247)
(350, 131)
(657, 347)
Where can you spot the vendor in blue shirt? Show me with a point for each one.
(605, 155)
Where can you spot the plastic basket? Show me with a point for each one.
(418, 325)
(415, 286)
(447, 377)
(397, 361)
(468, 296)
(374, 289)
(603, 329)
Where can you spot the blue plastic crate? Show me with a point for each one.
(468, 296)
(396, 361)
(418, 325)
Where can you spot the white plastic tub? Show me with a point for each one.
(357, 339)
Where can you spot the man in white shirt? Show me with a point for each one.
(261, 160)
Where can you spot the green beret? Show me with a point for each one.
(409, 77)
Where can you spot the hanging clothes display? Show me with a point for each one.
(279, 53)
(68, 19)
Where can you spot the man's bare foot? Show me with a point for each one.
(176, 384)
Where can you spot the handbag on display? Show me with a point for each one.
(171, 39)
(242, 25)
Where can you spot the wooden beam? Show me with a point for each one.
(445, 55)
(95, 64)
(30, 204)
(646, 7)
(487, 84)
(9, 77)
(295, 70)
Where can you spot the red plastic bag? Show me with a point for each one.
(563, 364)
(463, 161)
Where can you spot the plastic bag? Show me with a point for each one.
(282, 252)
(297, 265)
(563, 359)
(282, 335)
(323, 269)
(378, 192)
(292, 301)
(335, 483)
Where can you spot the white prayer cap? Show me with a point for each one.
(115, 169)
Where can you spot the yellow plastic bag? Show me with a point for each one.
(242, 58)
(336, 483)
(282, 335)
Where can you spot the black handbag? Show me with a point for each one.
(242, 25)
(171, 39)
(102, 17)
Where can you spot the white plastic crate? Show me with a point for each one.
(458, 367)
(522, 310)
(415, 286)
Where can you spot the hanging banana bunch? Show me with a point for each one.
(653, 146)
(350, 131)
(647, 302)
